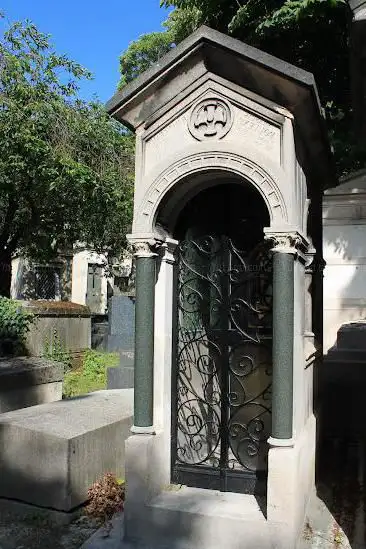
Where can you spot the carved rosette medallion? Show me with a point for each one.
(210, 119)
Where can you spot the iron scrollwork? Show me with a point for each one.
(224, 354)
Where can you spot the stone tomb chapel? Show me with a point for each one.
(232, 159)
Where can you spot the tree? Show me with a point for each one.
(142, 54)
(312, 34)
(66, 168)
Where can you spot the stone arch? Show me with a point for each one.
(202, 162)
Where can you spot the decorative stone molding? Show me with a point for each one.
(210, 118)
(144, 246)
(289, 243)
(167, 250)
(203, 161)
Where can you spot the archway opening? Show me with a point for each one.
(221, 406)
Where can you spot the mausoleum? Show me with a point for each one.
(232, 160)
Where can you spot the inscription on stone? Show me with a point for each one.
(259, 133)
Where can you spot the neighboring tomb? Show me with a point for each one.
(51, 454)
(28, 381)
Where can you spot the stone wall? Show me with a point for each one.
(58, 323)
(344, 238)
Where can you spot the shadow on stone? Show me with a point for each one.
(341, 452)
(29, 381)
(52, 453)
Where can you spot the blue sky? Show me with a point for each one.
(90, 32)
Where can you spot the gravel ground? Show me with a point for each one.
(37, 533)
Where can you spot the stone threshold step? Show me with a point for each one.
(190, 518)
(210, 503)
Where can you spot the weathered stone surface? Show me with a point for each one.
(70, 321)
(120, 377)
(28, 381)
(121, 323)
(25, 371)
(52, 453)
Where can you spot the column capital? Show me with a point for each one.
(167, 250)
(144, 245)
(287, 242)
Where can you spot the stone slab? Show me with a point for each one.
(193, 517)
(120, 377)
(34, 395)
(29, 381)
(116, 342)
(52, 453)
(121, 323)
(99, 335)
(25, 371)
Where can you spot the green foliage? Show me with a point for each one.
(15, 322)
(143, 53)
(92, 376)
(312, 34)
(66, 168)
(55, 349)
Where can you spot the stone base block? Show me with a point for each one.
(188, 518)
(164, 515)
(207, 519)
(52, 453)
(291, 483)
(28, 381)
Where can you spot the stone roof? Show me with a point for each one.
(207, 51)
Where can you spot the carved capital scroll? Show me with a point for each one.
(291, 242)
(144, 246)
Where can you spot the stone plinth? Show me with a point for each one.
(28, 381)
(51, 454)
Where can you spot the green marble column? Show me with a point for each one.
(283, 341)
(144, 340)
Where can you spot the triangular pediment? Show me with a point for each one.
(208, 52)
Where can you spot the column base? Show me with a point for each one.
(136, 430)
(281, 442)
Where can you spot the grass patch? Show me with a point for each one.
(91, 375)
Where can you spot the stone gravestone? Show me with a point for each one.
(121, 321)
(121, 335)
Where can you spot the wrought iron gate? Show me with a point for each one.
(222, 406)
